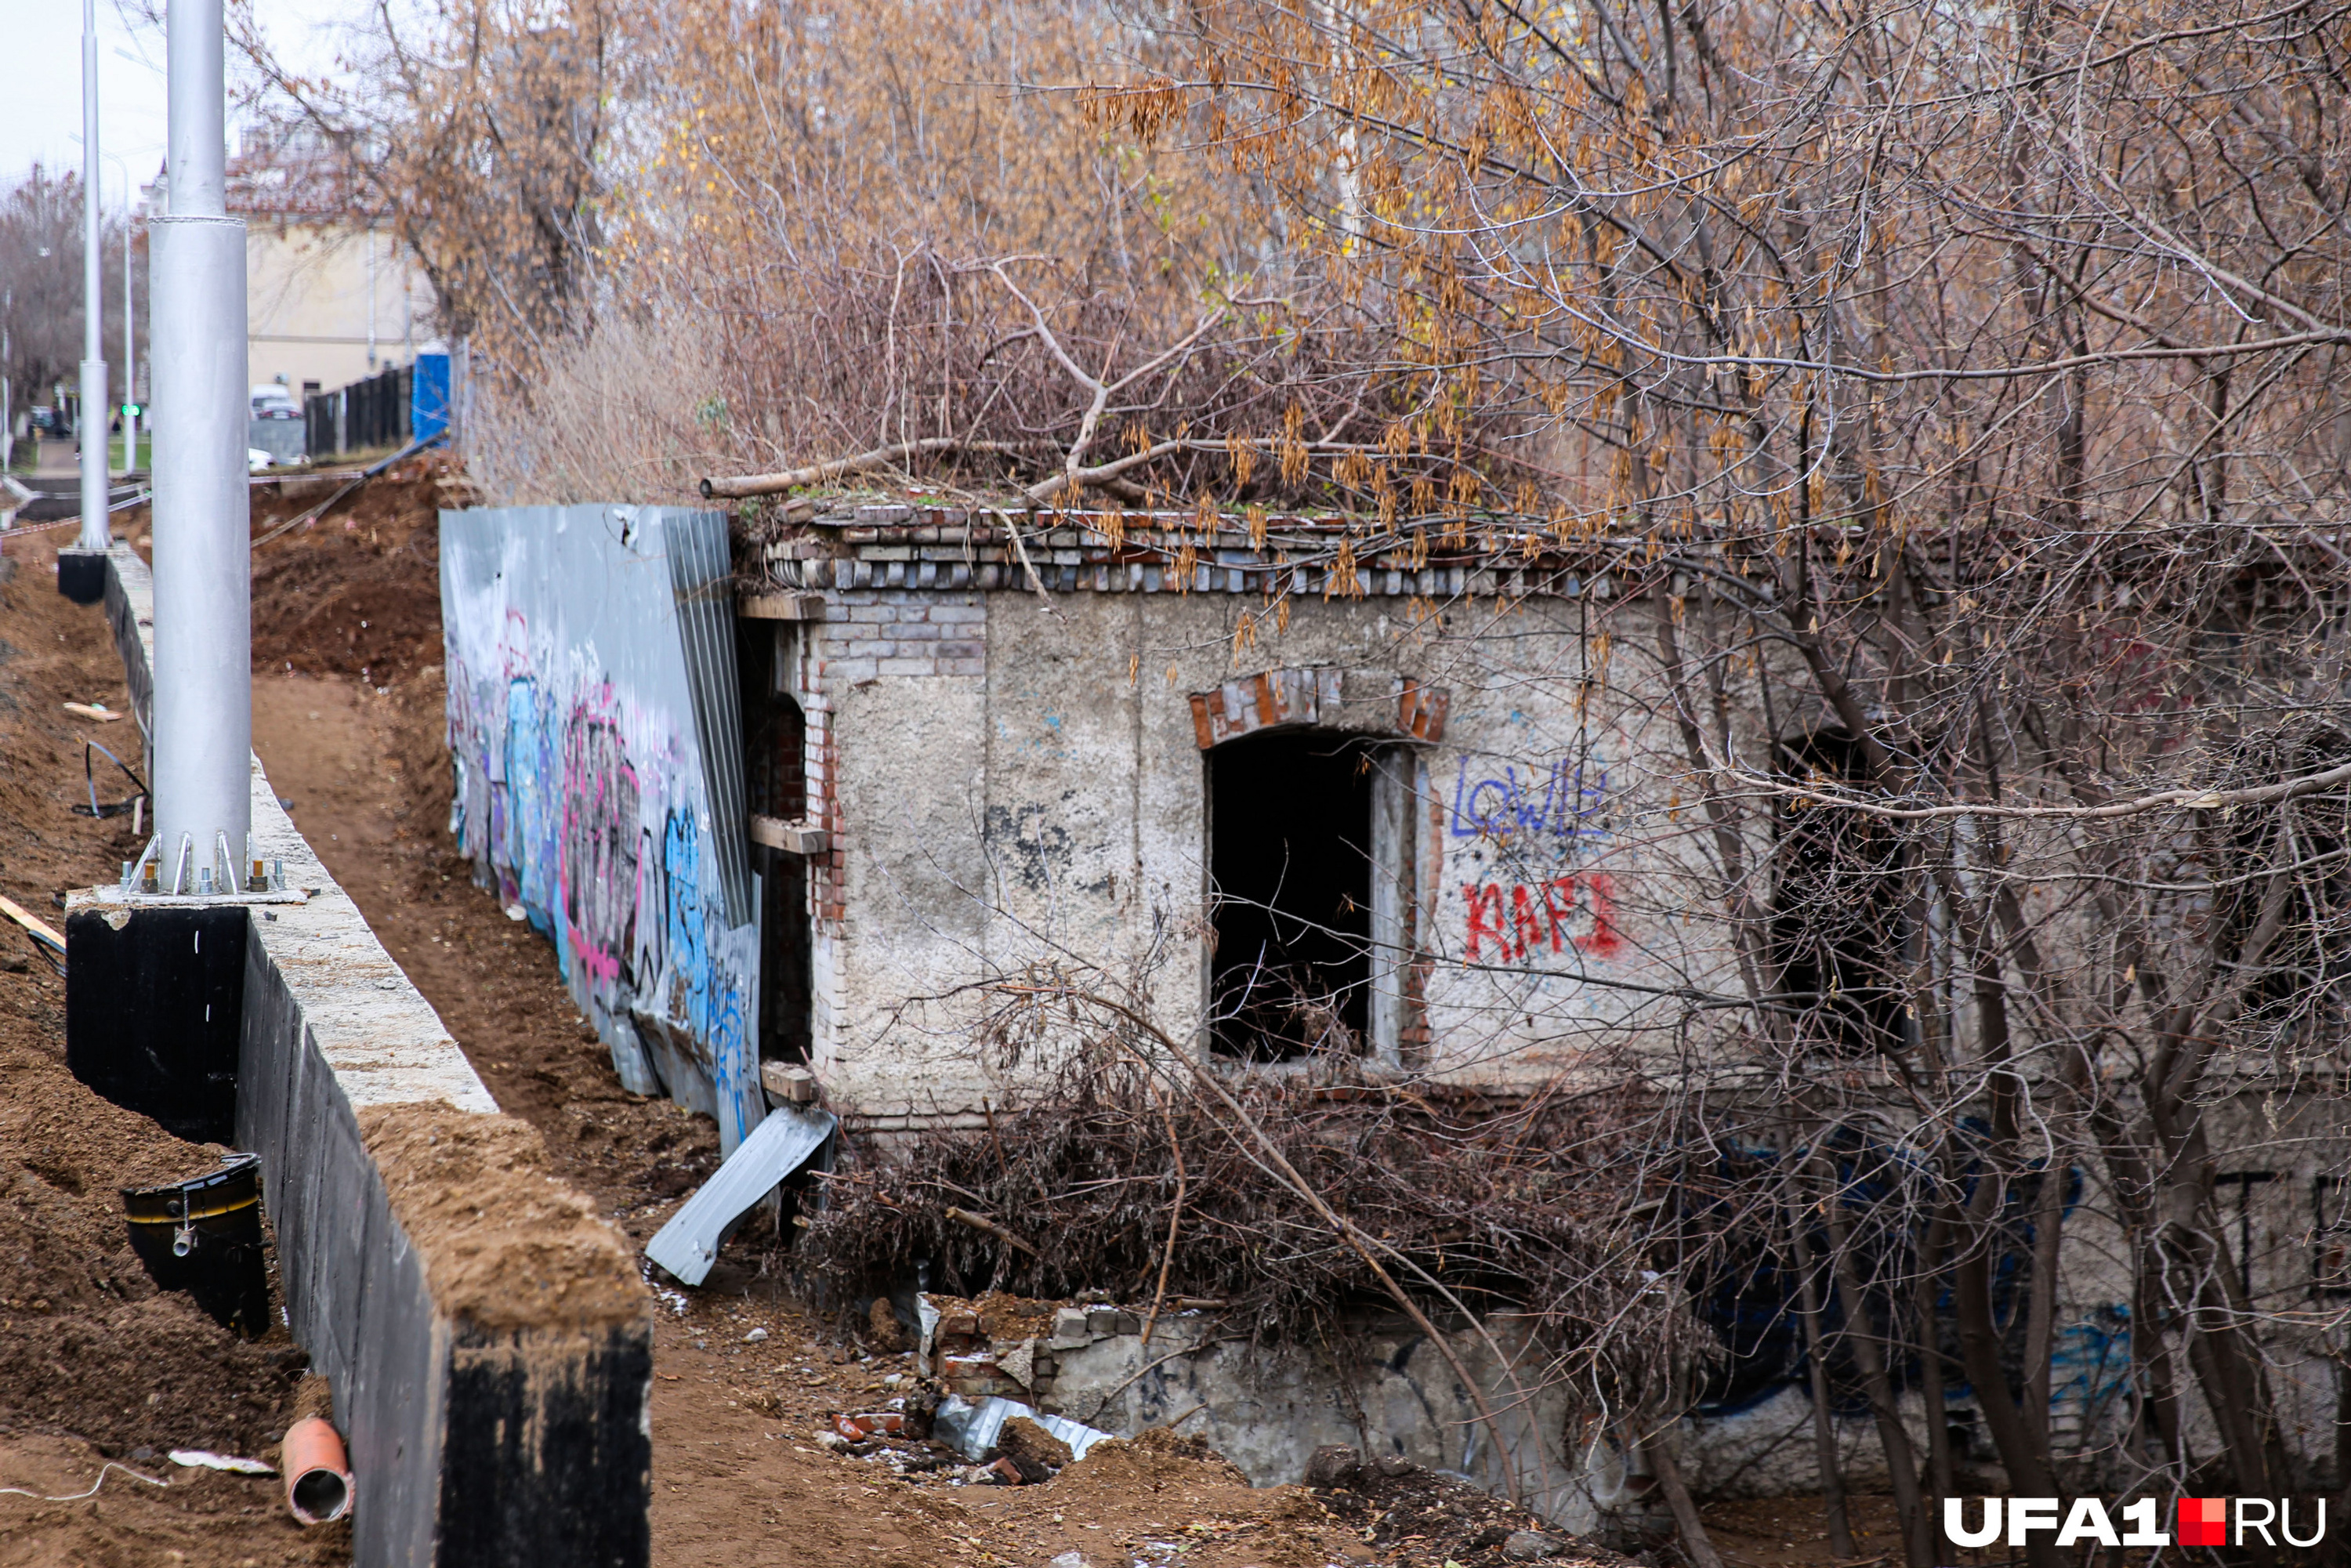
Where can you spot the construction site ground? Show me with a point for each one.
(96, 1367)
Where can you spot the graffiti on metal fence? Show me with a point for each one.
(600, 835)
(581, 796)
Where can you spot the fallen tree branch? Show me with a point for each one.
(981, 1222)
(1175, 1218)
(2189, 799)
(1346, 1229)
(747, 485)
(1696, 1545)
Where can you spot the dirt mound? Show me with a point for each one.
(1155, 1461)
(94, 1349)
(504, 1242)
(195, 1516)
(356, 592)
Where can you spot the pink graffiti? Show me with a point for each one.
(1518, 919)
(600, 860)
(514, 646)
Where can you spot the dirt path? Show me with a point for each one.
(745, 1378)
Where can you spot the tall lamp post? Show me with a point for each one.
(130, 339)
(81, 572)
(202, 755)
(129, 349)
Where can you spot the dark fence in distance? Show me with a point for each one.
(367, 413)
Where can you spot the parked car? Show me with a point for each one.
(271, 400)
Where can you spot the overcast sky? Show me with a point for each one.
(42, 107)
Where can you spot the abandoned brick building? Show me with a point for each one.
(799, 797)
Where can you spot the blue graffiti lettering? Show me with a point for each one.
(1567, 804)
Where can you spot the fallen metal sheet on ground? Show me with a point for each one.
(788, 1139)
(971, 1427)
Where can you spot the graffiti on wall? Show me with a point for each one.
(1563, 800)
(601, 837)
(1509, 923)
(581, 796)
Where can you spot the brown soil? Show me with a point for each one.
(1792, 1531)
(95, 1363)
(356, 592)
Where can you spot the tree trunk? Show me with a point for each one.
(1824, 1442)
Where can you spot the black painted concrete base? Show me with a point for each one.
(153, 1011)
(81, 575)
(547, 1457)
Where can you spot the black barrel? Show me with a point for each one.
(204, 1235)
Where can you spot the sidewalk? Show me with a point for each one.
(57, 461)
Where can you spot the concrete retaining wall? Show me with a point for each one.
(491, 1367)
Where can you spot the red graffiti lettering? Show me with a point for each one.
(1527, 923)
(1601, 941)
(1485, 918)
(1540, 913)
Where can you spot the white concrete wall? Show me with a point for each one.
(1035, 792)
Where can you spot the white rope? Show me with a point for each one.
(77, 1497)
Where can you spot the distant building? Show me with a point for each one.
(330, 296)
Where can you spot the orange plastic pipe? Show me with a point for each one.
(317, 1472)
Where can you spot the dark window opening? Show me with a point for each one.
(2302, 976)
(1838, 926)
(2330, 1261)
(1289, 820)
(775, 765)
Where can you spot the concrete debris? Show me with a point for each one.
(1532, 1546)
(1332, 1464)
(777, 1147)
(975, 1429)
(1070, 1329)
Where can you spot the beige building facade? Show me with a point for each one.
(328, 301)
(332, 296)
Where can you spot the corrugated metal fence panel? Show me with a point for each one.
(594, 723)
(702, 576)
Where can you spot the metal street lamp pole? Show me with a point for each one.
(7, 412)
(196, 346)
(130, 345)
(130, 351)
(94, 493)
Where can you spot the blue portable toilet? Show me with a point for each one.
(428, 398)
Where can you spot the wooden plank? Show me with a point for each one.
(41, 932)
(796, 838)
(780, 607)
